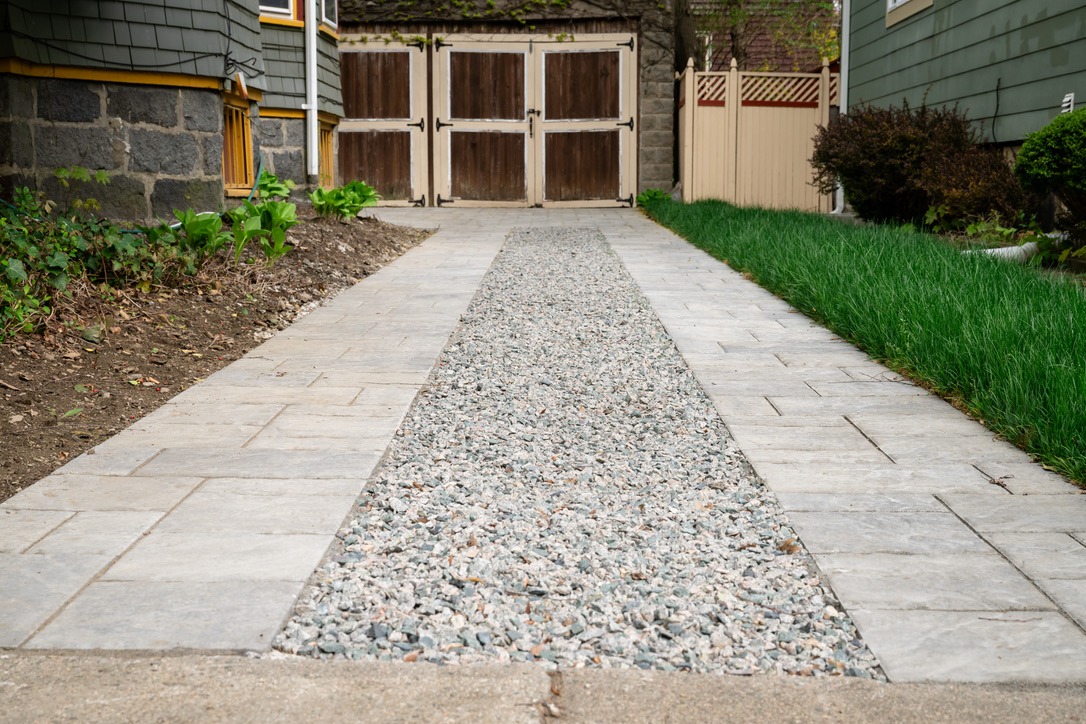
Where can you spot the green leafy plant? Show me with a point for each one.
(344, 202)
(268, 186)
(651, 196)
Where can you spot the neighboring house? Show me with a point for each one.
(1007, 64)
(180, 101)
(508, 103)
(765, 35)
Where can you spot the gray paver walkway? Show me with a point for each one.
(197, 527)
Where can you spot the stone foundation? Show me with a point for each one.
(283, 143)
(162, 147)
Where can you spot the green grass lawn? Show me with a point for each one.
(1006, 342)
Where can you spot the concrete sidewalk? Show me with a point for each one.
(958, 559)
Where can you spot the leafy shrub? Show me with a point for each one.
(896, 163)
(651, 196)
(344, 202)
(268, 186)
(1053, 160)
(977, 183)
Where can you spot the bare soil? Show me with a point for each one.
(106, 359)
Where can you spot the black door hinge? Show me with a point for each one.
(629, 201)
(442, 202)
(438, 125)
(628, 124)
(439, 44)
(420, 201)
(420, 125)
(420, 44)
(627, 44)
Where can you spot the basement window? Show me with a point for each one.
(237, 148)
(326, 149)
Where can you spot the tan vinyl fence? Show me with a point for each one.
(747, 137)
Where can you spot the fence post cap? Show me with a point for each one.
(689, 62)
(735, 65)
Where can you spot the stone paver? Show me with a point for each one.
(957, 557)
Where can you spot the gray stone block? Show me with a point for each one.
(289, 165)
(170, 194)
(124, 197)
(165, 153)
(137, 104)
(16, 97)
(68, 100)
(16, 145)
(88, 146)
(212, 146)
(295, 132)
(203, 110)
(270, 131)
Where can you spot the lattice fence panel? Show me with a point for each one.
(712, 88)
(780, 90)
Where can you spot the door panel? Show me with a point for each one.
(582, 85)
(380, 158)
(588, 147)
(582, 165)
(383, 136)
(378, 85)
(488, 165)
(486, 86)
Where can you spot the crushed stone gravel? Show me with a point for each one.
(564, 492)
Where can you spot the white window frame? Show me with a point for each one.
(325, 4)
(898, 10)
(266, 9)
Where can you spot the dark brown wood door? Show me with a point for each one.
(582, 110)
(535, 121)
(382, 137)
(482, 123)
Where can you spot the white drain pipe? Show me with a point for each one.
(846, 8)
(312, 152)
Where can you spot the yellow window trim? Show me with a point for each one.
(322, 116)
(906, 10)
(107, 75)
(329, 31)
(286, 22)
(281, 113)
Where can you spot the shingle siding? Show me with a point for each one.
(1007, 66)
(176, 36)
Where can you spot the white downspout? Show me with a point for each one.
(846, 9)
(312, 157)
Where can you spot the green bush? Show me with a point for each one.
(896, 163)
(1053, 160)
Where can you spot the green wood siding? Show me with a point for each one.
(960, 51)
(168, 36)
(284, 56)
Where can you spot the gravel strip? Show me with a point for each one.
(564, 492)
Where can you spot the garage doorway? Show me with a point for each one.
(511, 120)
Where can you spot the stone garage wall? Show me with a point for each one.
(161, 146)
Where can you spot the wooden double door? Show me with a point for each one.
(499, 120)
